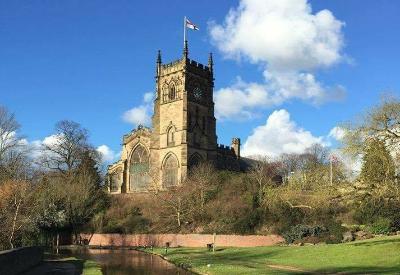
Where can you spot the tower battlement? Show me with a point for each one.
(189, 62)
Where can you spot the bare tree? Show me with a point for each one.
(13, 149)
(64, 153)
(263, 173)
(175, 206)
(8, 132)
(317, 154)
(15, 209)
(290, 163)
(201, 177)
(380, 122)
(154, 177)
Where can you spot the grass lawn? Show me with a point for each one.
(379, 255)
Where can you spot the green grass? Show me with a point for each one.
(84, 267)
(91, 268)
(378, 255)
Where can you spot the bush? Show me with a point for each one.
(113, 227)
(302, 231)
(334, 232)
(331, 232)
(380, 216)
(247, 223)
(380, 226)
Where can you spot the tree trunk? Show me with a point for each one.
(201, 200)
(179, 212)
(14, 222)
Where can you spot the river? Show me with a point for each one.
(127, 262)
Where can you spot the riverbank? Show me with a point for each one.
(378, 255)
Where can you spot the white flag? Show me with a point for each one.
(191, 25)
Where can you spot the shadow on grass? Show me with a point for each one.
(58, 267)
(377, 242)
(247, 259)
(359, 270)
(78, 263)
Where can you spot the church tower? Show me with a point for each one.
(183, 132)
(184, 125)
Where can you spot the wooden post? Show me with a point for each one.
(214, 235)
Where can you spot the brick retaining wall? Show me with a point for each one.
(185, 240)
(17, 260)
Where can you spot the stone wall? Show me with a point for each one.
(17, 260)
(185, 240)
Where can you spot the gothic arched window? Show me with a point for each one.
(194, 160)
(114, 184)
(172, 92)
(170, 136)
(170, 171)
(139, 169)
(165, 93)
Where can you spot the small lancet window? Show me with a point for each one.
(172, 92)
(165, 93)
(170, 136)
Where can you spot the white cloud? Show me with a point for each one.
(148, 97)
(140, 115)
(237, 100)
(107, 155)
(36, 146)
(279, 135)
(137, 115)
(289, 42)
(51, 140)
(337, 133)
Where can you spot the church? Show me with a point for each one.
(182, 135)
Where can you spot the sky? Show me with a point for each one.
(288, 73)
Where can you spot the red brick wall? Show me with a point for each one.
(185, 240)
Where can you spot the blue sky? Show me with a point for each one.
(91, 61)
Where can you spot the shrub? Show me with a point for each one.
(136, 223)
(247, 223)
(334, 232)
(380, 226)
(302, 231)
(113, 227)
(330, 233)
(378, 214)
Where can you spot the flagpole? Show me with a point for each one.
(184, 30)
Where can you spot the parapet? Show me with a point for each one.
(199, 66)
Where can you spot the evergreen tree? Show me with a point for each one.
(378, 165)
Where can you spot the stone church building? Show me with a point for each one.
(183, 132)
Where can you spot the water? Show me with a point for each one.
(127, 262)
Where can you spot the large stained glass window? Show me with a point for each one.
(139, 169)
